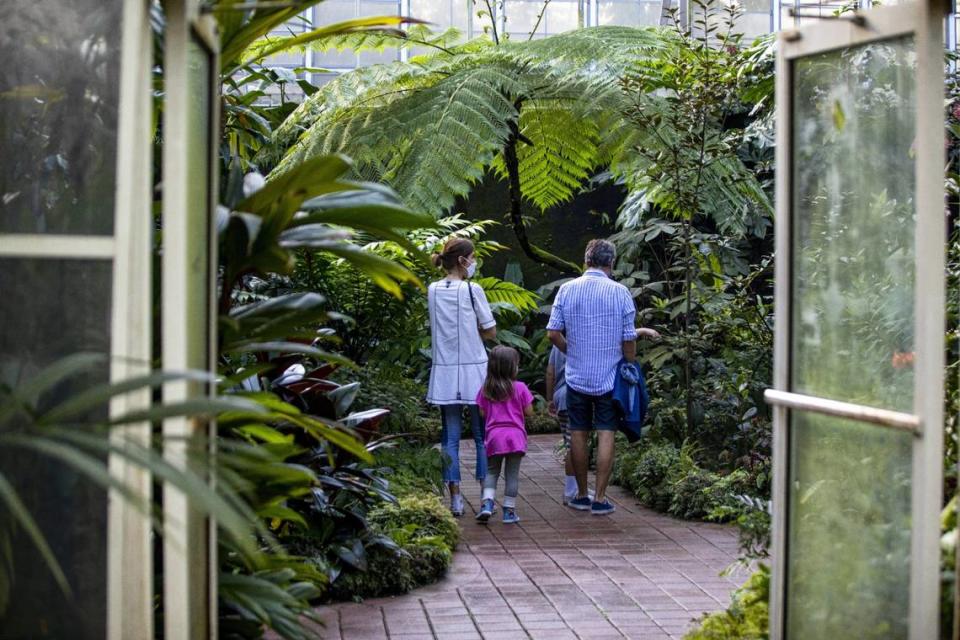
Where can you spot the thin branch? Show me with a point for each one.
(543, 10)
(493, 20)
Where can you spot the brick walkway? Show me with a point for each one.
(559, 574)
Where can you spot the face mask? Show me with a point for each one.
(471, 269)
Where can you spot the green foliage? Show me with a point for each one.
(276, 598)
(411, 469)
(394, 572)
(425, 512)
(542, 422)
(678, 482)
(425, 534)
(692, 496)
(433, 126)
(389, 389)
(747, 617)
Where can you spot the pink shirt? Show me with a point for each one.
(505, 429)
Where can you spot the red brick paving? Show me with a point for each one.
(558, 574)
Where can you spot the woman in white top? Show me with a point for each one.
(460, 319)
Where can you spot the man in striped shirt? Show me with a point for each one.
(593, 323)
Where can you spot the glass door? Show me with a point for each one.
(859, 356)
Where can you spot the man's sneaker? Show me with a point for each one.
(567, 497)
(486, 510)
(456, 505)
(602, 508)
(580, 504)
(510, 516)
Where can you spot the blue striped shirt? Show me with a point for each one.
(597, 315)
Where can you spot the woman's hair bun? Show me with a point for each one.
(453, 249)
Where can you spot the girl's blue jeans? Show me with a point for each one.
(451, 416)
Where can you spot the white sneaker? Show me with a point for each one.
(456, 505)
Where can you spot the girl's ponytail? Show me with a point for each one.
(502, 369)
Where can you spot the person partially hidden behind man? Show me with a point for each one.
(593, 323)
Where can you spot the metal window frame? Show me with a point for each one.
(924, 20)
(189, 546)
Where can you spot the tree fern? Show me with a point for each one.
(431, 128)
(435, 125)
(562, 153)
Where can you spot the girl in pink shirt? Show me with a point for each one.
(504, 402)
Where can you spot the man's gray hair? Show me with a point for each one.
(600, 253)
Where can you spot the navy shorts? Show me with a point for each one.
(589, 412)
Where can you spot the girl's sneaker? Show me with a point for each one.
(456, 505)
(510, 516)
(486, 510)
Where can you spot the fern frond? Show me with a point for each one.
(502, 292)
(563, 152)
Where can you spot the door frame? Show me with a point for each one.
(190, 541)
(923, 20)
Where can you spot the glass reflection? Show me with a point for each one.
(61, 307)
(848, 572)
(59, 93)
(853, 212)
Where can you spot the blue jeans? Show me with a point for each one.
(451, 416)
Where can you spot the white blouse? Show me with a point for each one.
(459, 358)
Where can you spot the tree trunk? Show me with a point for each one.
(534, 252)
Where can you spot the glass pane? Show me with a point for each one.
(522, 16)
(442, 14)
(198, 162)
(59, 99)
(848, 571)
(853, 224)
(561, 17)
(390, 54)
(637, 13)
(331, 12)
(753, 25)
(62, 307)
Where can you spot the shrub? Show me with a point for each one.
(380, 388)
(542, 422)
(411, 469)
(691, 495)
(425, 511)
(747, 617)
(668, 479)
(425, 535)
